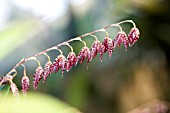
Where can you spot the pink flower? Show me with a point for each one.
(37, 76)
(95, 49)
(108, 45)
(47, 70)
(133, 36)
(83, 54)
(121, 38)
(71, 60)
(14, 89)
(105, 43)
(60, 62)
(25, 84)
(101, 51)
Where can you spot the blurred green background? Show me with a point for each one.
(116, 85)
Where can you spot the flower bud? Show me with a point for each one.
(25, 84)
(105, 44)
(101, 51)
(83, 54)
(14, 89)
(110, 47)
(133, 36)
(121, 38)
(71, 60)
(95, 48)
(37, 76)
(60, 62)
(47, 70)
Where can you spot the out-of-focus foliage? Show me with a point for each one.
(35, 103)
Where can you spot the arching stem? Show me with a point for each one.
(69, 46)
(34, 58)
(104, 30)
(83, 43)
(94, 37)
(48, 57)
(24, 70)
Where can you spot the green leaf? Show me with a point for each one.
(35, 103)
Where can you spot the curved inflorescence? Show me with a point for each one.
(66, 63)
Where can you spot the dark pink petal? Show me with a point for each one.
(110, 47)
(121, 38)
(118, 39)
(83, 54)
(14, 89)
(89, 57)
(126, 43)
(80, 56)
(95, 48)
(60, 62)
(71, 60)
(105, 44)
(47, 70)
(101, 51)
(133, 36)
(55, 65)
(37, 76)
(25, 84)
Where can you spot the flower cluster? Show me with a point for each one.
(63, 63)
(66, 63)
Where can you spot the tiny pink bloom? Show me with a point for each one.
(47, 70)
(118, 39)
(14, 89)
(60, 62)
(101, 51)
(133, 36)
(71, 60)
(121, 38)
(37, 76)
(126, 43)
(25, 84)
(95, 49)
(110, 45)
(55, 65)
(83, 54)
(105, 44)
